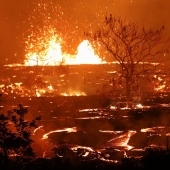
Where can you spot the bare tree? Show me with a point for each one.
(139, 53)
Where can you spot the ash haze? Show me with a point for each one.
(73, 17)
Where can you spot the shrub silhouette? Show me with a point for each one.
(15, 135)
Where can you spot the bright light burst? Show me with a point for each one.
(53, 55)
(46, 39)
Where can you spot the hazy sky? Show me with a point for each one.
(19, 17)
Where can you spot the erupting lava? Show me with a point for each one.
(50, 41)
(49, 34)
(49, 52)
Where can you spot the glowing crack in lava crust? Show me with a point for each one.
(48, 52)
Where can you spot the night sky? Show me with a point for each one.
(71, 18)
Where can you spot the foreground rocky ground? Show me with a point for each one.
(152, 159)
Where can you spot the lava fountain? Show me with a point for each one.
(48, 35)
(53, 55)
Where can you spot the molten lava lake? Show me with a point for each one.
(83, 126)
(75, 120)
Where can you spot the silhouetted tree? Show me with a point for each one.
(139, 53)
(15, 133)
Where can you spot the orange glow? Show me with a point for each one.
(68, 130)
(160, 88)
(153, 129)
(18, 89)
(121, 141)
(48, 51)
(86, 54)
(74, 93)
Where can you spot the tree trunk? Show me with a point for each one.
(128, 97)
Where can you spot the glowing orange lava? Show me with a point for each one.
(48, 51)
(68, 130)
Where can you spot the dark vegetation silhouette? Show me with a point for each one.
(15, 135)
(140, 54)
